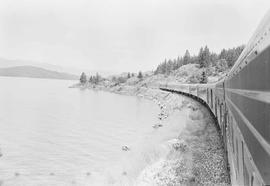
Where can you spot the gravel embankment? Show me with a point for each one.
(197, 155)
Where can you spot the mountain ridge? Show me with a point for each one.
(6, 63)
(35, 72)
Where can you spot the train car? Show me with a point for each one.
(241, 105)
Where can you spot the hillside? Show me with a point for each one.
(35, 72)
(7, 63)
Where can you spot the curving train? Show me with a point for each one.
(241, 104)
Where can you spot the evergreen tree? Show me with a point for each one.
(114, 79)
(201, 58)
(222, 54)
(231, 55)
(169, 67)
(194, 60)
(83, 78)
(140, 76)
(179, 62)
(128, 75)
(207, 58)
(213, 58)
(186, 59)
(96, 78)
(204, 57)
(91, 79)
(164, 67)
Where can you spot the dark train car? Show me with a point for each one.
(241, 104)
(247, 100)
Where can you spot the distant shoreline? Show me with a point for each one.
(3, 76)
(35, 72)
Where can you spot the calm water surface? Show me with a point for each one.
(54, 135)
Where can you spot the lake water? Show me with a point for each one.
(54, 135)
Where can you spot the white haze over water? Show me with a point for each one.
(54, 135)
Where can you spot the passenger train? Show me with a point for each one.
(241, 104)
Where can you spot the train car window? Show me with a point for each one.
(226, 118)
(236, 151)
(229, 127)
(232, 137)
(246, 175)
(255, 180)
(220, 114)
(245, 171)
(237, 154)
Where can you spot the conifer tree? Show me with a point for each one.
(91, 79)
(97, 78)
(140, 76)
(186, 59)
(201, 58)
(204, 57)
(83, 78)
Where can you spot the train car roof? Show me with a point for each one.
(259, 41)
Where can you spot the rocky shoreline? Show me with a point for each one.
(197, 154)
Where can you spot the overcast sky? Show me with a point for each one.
(122, 35)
